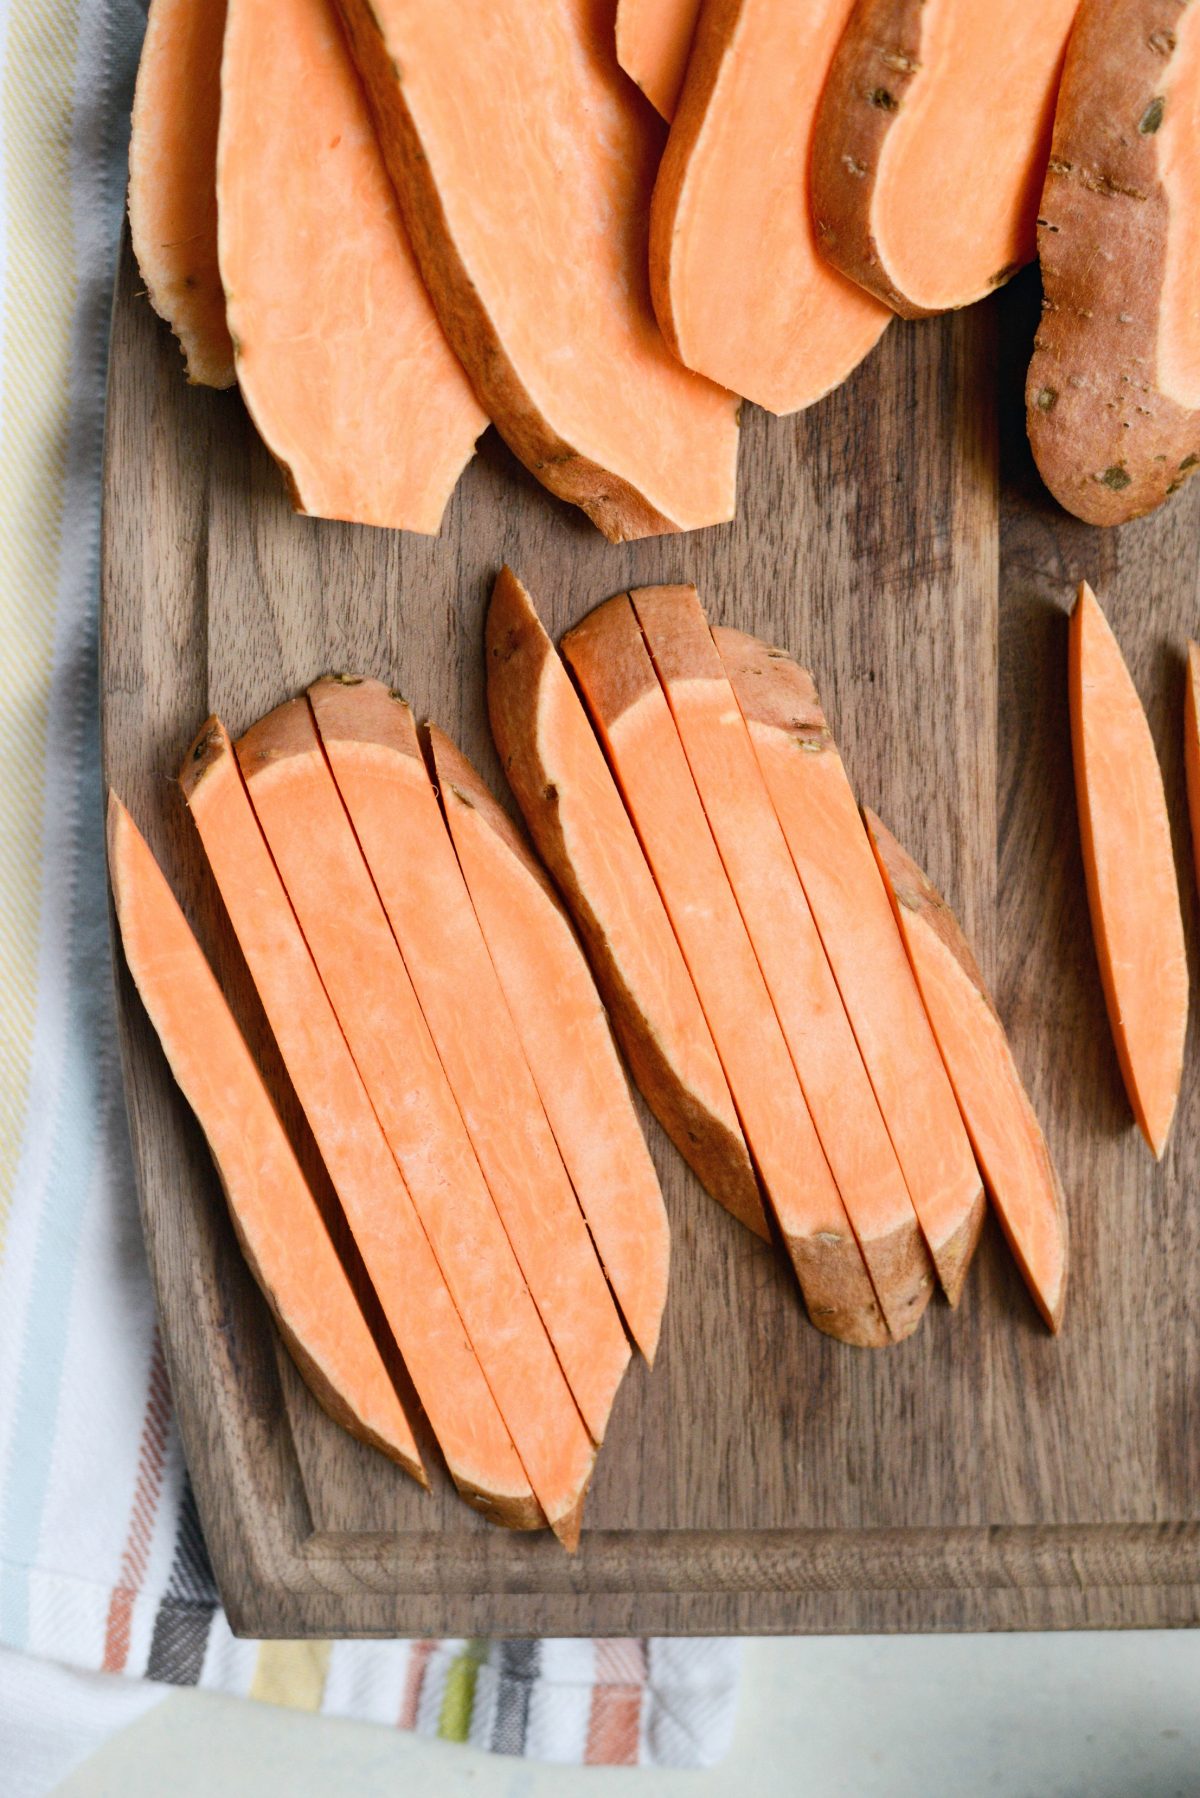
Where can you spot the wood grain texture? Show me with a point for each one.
(763, 1478)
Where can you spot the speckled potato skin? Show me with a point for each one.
(1108, 443)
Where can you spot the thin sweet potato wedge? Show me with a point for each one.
(740, 287)
(612, 665)
(173, 180)
(1113, 395)
(1191, 748)
(347, 932)
(525, 169)
(395, 1250)
(819, 816)
(578, 821)
(1133, 893)
(653, 40)
(340, 358)
(790, 953)
(931, 144)
(281, 1231)
(371, 740)
(567, 1042)
(1004, 1130)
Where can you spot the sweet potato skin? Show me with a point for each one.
(876, 60)
(1108, 443)
(617, 508)
(518, 650)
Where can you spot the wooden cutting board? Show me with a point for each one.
(763, 1478)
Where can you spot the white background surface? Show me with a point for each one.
(1068, 1716)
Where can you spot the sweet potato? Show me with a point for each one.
(371, 741)
(740, 287)
(347, 932)
(611, 663)
(525, 169)
(931, 143)
(1003, 1127)
(790, 954)
(819, 817)
(340, 357)
(1129, 865)
(173, 180)
(1113, 395)
(1191, 748)
(282, 1233)
(567, 1042)
(575, 815)
(653, 40)
(416, 1301)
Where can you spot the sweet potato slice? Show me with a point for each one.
(395, 1250)
(1191, 749)
(1004, 1131)
(340, 357)
(347, 932)
(790, 953)
(931, 144)
(1129, 864)
(576, 816)
(371, 741)
(1113, 396)
(173, 180)
(819, 817)
(613, 668)
(653, 40)
(740, 287)
(281, 1231)
(525, 170)
(567, 1042)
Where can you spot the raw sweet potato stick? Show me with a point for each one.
(1000, 1120)
(740, 287)
(524, 162)
(282, 1233)
(416, 1302)
(567, 1042)
(575, 815)
(931, 142)
(1113, 395)
(340, 357)
(347, 932)
(611, 663)
(653, 40)
(1191, 748)
(819, 816)
(371, 741)
(173, 180)
(1129, 864)
(790, 953)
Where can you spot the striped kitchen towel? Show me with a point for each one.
(102, 1563)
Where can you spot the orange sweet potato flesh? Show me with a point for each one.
(525, 170)
(173, 180)
(612, 665)
(282, 1233)
(1133, 893)
(931, 144)
(403, 1270)
(578, 821)
(346, 929)
(653, 40)
(371, 740)
(1113, 395)
(340, 357)
(567, 1042)
(819, 817)
(1191, 748)
(790, 953)
(1002, 1124)
(740, 287)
